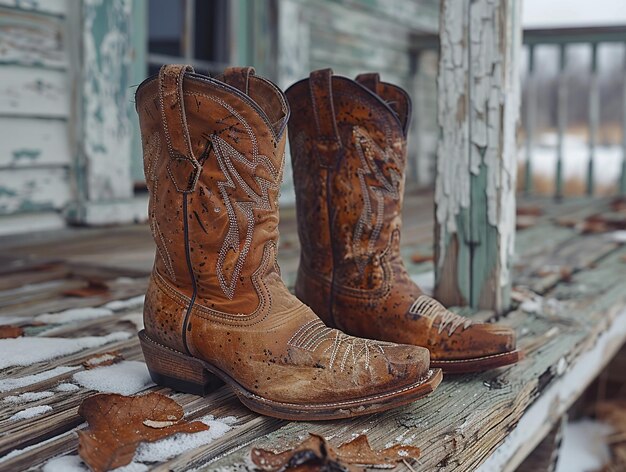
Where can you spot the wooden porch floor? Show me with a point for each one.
(570, 330)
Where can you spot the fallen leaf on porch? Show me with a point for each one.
(418, 257)
(567, 222)
(117, 427)
(108, 358)
(315, 454)
(93, 288)
(614, 413)
(619, 204)
(529, 211)
(9, 331)
(525, 221)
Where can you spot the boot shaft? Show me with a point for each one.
(213, 159)
(348, 148)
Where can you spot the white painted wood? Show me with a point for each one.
(106, 98)
(53, 7)
(30, 39)
(27, 190)
(28, 142)
(556, 400)
(29, 223)
(133, 210)
(479, 101)
(26, 91)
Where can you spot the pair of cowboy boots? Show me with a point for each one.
(216, 307)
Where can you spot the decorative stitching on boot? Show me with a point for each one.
(369, 153)
(433, 310)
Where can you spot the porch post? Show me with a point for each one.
(479, 101)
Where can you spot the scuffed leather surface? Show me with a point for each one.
(351, 271)
(253, 328)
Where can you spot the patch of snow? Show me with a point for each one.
(531, 306)
(66, 387)
(13, 383)
(65, 464)
(618, 236)
(177, 444)
(31, 412)
(584, 447)
(28, 397)
(136, 318)
(125, 378)
(117, 305)
(607, 159)
(73, 463)
(29, 350)
(426, 281)
(74, 314)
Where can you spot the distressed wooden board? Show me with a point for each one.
(34, 92)
(23, 190)
(30, 39)
(457, 428)
(28, 142)
(54, 7)
(107, 98)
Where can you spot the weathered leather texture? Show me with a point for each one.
(349, 200)
(214, 156)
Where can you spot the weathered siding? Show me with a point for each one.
(355, 36)
(35, 98)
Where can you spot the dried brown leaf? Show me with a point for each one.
(418, 257)
(10, 331)
(531, 210)
(359, 451)
(101, 360)
(314, 454)
(94, 288)
(116, 427)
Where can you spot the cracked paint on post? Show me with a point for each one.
(479, 98)
(107, 98)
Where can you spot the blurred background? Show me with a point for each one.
(69, 144)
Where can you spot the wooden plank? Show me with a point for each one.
(26, 190)
(464, 422)
(28, 142)
(29, 39)
(35, 92)
(479, 96)
(53, 7)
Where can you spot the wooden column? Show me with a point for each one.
(594, 117)
(479, 101)
(561, 121)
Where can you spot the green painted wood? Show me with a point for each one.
(138, 72)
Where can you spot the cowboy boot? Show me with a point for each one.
(349, 171)
(216, 306)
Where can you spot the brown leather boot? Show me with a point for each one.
(216, 306)
(348, 147)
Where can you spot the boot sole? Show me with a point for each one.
(178, 371)
(477, 364)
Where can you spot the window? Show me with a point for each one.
(190, 32)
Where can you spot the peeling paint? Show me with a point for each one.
(107, 98)
(479, 98)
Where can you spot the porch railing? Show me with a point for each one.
(563, 38)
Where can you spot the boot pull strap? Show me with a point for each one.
(328, 140)
(182, 167)
(369, 80)
(239, 77)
